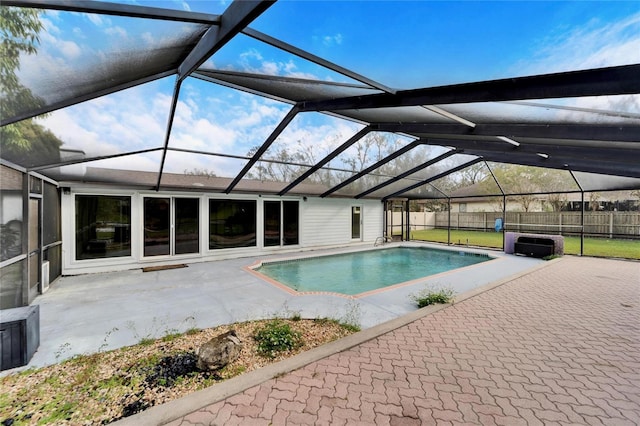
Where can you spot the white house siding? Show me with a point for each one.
(327, 222)
(323, 223)
(372, 220)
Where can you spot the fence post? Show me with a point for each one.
(582, 223)
(610, 224)
(560, 222)
(449, 224)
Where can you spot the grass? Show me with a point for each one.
(598, 247)
(432, 295)
(277, 336)
(102, 387)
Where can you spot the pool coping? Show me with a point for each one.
(258, 263)
(173, 410)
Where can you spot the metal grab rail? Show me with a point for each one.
(380, 241)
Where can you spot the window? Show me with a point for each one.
(463, 207)
(232, 223)
(103, 226)
(356, 222)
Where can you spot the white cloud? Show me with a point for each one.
(116, 31)
(270, 68)
(252, 61)
(97, 20)
(593, 45)
(49, 26)
(69, 49)
(184, 5)
(148, 38)
(331, 40)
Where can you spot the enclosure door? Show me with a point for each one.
(35, 247)
(171, 226)
(356, 222)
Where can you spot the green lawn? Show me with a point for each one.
(600, 247)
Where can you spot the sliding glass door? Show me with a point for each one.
(171, 226)
(187, 225)
(281, 223)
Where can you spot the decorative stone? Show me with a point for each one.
(219, 351)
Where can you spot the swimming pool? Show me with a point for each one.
(360, 272)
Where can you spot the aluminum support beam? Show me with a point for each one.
(436, 177)
(272, 137)
(315, 59)
(602, 153)
(89, 159)
(371, 168)
(115, 9)
(583, 131)
(87, 97)
(603, 166)
(408, 172)
(618, 80)
(172, 114)
(237, 16)
(353, 139)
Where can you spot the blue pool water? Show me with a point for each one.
(355, 273)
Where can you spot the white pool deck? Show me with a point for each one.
(87, 313)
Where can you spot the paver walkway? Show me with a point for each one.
(558, 346)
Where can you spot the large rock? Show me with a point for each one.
(219, 351)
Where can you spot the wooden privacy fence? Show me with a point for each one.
(609, 224)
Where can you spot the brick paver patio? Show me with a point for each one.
(558, 346)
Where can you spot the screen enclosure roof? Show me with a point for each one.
(163, 98)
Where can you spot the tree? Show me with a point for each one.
(24, 142)
(200, 172)
(524, 181)
(19, 28)
(42, 146)
(473, 174)
(369, 149)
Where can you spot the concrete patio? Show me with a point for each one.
(557, 345)
(86, 313)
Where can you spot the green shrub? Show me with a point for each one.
(431, 296)
(276, 336)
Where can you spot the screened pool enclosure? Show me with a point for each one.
(136, 131)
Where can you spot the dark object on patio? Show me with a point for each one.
(19, 335)
(534, 246)
(219, 351)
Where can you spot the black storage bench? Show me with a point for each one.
(19, 335)
(534, 246)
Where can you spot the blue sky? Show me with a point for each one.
(400, 44)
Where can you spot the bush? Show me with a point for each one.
(276, 336)
(430, 296)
